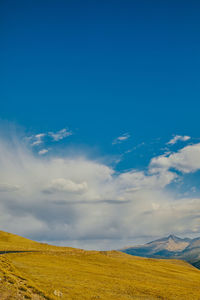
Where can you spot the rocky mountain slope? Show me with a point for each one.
(169, 247)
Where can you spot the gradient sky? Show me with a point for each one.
(113, 82)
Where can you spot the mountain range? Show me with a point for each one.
(172, 247)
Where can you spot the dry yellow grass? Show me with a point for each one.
(67, 273)
(12, 242)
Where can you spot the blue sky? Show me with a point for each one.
(115, 80)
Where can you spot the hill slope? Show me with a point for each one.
(67, 273)
(11, 242)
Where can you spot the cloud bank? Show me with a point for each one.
(82, 202)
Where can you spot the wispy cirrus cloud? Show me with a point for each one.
(37, 139)
(43, 151)
(60, 135)
(176, 138)
(121, 138)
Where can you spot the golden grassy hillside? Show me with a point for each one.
(67, 273)
(12, 242)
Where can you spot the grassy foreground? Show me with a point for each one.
(67, 273)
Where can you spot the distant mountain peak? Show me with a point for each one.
(166, 239)
(163, 247)
(173, 236)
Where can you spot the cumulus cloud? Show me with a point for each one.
(176, 138)
(185, 160)
(121, 138)
(66, 185)
(60, 135)
(82, 202)
(138, 180)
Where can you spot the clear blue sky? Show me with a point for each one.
(103, 69)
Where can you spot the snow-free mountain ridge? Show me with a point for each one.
(169, 247)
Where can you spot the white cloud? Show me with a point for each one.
(121, 138)
(177, 138)
(87, 203)
(138, 180)
(185, 160)
(66, 185)
(43, 151)
(7, 187)
(60, 135)
(37, 139)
